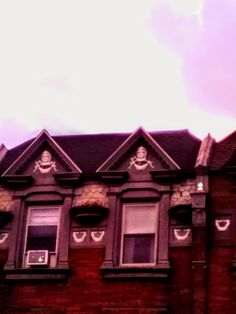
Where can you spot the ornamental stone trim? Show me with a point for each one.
(222, 224)
(79, 236)
(181, 234)
(182, 193)
(97, 235)
(91, 195)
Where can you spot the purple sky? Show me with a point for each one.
(208, 51)
(160, 64)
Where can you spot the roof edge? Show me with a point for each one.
(205, 152)
(3, 151)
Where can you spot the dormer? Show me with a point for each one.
(138, 158)
(43, 161)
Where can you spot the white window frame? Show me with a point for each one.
(142, 205)
(53, 261)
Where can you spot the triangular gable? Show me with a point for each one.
(43, 137)
(131, 140)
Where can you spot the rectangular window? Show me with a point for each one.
(139, 234)
(42, 229)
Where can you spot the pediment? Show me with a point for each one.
(43, 157)
(140, 153)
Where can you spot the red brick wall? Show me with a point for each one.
(3, 258)
(181, 280)
(87, 292)
(221, 282)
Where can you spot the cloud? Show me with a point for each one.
(208, 51)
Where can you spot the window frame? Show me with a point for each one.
(124, 211)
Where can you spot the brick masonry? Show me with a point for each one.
(86, 292)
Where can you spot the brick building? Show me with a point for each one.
(118, 223)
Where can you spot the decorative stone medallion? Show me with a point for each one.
(45, 164)
(140, 161)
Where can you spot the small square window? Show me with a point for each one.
(139, 234)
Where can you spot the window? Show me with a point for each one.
(39, 248)
(139, 234)
(42, 232)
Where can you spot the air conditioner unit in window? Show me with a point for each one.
(37, 258)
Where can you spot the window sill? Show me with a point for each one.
(37, 274)
(159, 272)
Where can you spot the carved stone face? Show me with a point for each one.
(46, 157)
(141, 153)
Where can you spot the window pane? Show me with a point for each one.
(140, 219)
(40, 216)
(41, 244)
(42, 231)
(138, 248)
(41, 238)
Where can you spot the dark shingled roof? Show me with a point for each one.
(91, 150)
(181, 146)
(223, 151)
(12, 155)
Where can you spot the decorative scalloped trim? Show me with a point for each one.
(79, 236)
(183, 236)
(5, 236)
(219, 222)
(97, 235)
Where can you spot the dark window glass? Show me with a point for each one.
(138, 248)
(41, 238)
